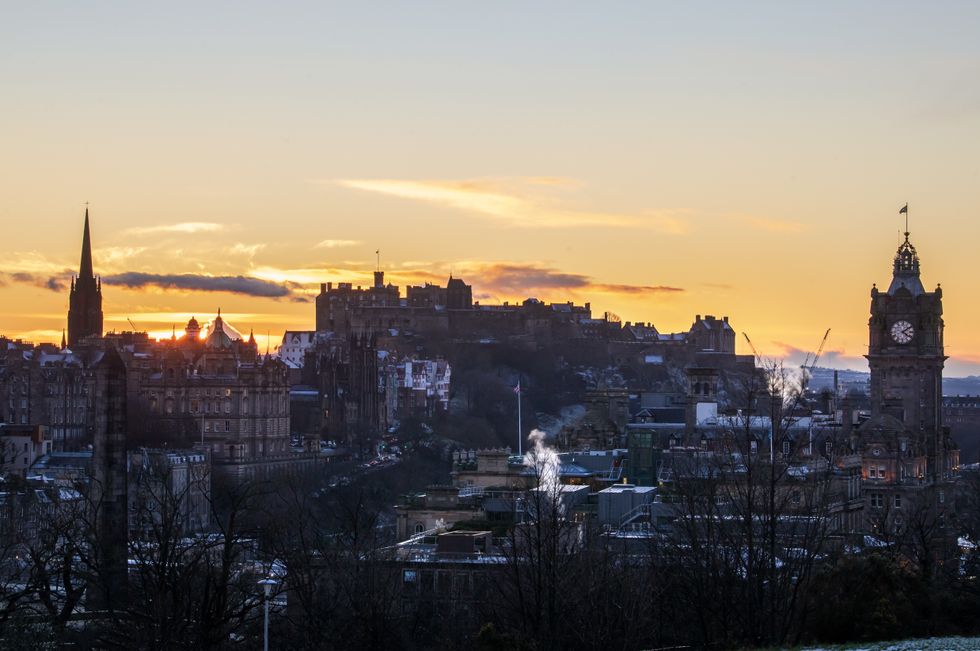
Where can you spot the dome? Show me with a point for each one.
(906, 270)
(882, 424)
(221, 334)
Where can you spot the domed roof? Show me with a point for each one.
(221, 334)
(906, 270)
(882, 424)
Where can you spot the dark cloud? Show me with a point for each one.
(200, 283)
(516, 278)
(54, 283)
(828, 358)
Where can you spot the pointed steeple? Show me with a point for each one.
(85, 297)
(63, 343)
(85, 268)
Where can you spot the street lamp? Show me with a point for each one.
(267, 585)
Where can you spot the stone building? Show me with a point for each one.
(173, 484)
(21, 446)
(234, 399)
(350, 386)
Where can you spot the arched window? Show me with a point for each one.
(419, 527)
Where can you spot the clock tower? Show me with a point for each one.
(906, 358)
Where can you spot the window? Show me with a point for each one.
(753, 446)
(785, 448)
(877, 500)
(828, 447)
(796, 496)
(942, 497)
(419, 527)
(898, 501)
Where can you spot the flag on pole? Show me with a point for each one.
(904, 210)
(517, 389)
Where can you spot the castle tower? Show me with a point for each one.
(905, 354)
(85, 299)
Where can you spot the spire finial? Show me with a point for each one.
(64, 345)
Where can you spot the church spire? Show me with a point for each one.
(85, 297)
(85, 268)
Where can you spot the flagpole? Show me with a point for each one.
(519, 428)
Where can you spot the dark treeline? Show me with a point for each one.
(739, 552)
(554, 581)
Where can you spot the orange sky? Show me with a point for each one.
(652, 160)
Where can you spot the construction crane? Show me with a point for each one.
(132, 324)
(758, 358)
(810, 363)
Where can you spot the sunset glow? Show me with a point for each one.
(680, 164)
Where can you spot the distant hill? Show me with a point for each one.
(823, 378)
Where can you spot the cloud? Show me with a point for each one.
(52, 282)
(201, 283)
(795, 356)
(183, 227)
(246, 249)
(492, 199)
(335, 244)
(512, 278)
(33, 262)
(489, 279)
(109, 255)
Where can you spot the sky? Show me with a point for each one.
(658, 160)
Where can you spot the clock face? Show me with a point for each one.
(902, 332)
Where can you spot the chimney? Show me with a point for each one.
(323, 288)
